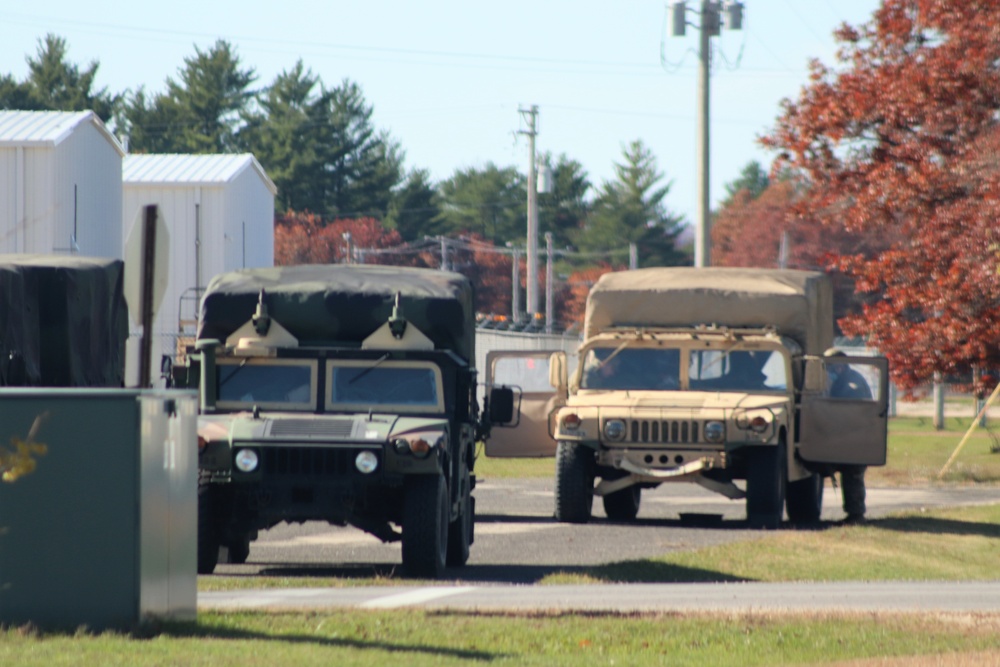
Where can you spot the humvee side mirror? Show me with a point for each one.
(501, 405)
(557, 371)
(207, 382)
(815, 376)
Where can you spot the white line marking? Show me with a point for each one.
(418, 596)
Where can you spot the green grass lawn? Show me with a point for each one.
(416, 638)
(956, 544)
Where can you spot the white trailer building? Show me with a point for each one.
(60, 184)
(218, 211)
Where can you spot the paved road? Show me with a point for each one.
(518, 543)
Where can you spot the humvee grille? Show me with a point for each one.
(316, 428)
(310, 461)
(671, 431)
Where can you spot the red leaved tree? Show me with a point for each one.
(755, 232)
(897, 144)
(303, 238)
(574, 304)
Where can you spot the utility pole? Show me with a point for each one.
(549, 289)
(711, 15)
(349, 252)
(515, 281)
(530, 116)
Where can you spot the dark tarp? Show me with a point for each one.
(339, 304)
(64, 321)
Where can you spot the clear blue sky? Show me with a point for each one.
(446, 77)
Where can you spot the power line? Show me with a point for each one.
(297, 46)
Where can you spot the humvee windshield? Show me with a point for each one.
(631, 368)
(737, 370)
(403, 385)
(658, 369)
(286, 384)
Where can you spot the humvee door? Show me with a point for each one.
(844, 411)
(530, 373)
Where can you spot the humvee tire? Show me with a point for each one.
(460, 533)
(575, 466)
(804, 501)
(425, 526)
(209, 534)
(238, 550)
(623, 505)
(766, 481)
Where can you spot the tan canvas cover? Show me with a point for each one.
(798, 303)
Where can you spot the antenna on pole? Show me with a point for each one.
(712, 14)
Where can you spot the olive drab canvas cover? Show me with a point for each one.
(344, 304)
(65, 321)
(799, 304)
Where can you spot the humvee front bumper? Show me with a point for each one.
(639, 465)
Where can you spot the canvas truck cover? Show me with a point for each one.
(65, 318)
(799, 304)
(344, 304)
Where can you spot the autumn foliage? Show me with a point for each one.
(898, 144)
(304, 238)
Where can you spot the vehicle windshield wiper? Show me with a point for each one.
(369, 369)
(737, 345)
(615, 353)
(233, 374)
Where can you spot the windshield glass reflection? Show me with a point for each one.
(273, 384)
(383, 384)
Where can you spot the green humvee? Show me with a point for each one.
(344, 394)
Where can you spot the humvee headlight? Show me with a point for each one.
(715, 432)
(366, 462)
(614, 429)
(758, 424)
(246, 460)
(420, 447)
(571, 421)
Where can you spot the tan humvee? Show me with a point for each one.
(708, 375)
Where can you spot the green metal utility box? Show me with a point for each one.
(103, 532)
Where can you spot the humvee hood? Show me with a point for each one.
(679, 400)
(360, 428)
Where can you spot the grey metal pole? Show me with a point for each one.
(938, 394)
(702, 240)
(515, 283)
(148, 270)
(531, 279)
(548, 282)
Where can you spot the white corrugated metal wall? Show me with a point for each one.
(249, 236)
(49, 188)
(215, 214)
(88, 195)
(33, 210)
